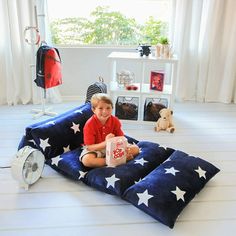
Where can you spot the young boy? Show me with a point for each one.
(98, 129)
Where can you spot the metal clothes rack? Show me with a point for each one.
(43, 111)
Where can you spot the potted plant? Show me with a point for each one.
(164, 40)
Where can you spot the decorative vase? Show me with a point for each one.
(166, 51)
(158, 50)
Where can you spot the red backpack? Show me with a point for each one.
(48, 67)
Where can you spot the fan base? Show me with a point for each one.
(43, 112)
(25, 186)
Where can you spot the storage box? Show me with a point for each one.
(152, 107)
(126, 108)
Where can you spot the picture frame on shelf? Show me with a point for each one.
(157, 80)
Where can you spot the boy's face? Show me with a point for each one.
(103, 111)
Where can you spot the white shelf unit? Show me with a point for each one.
(143, 90)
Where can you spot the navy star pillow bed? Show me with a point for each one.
(165, 191)
(159, 181)
(58, 134)
(116, 180)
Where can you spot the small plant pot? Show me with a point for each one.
(166, 51)
(158, 50)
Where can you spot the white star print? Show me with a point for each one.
(78, 111)
(201, 172)
(66, 149)
(32, 141)
(171, 170)
(140, 161)
(137, 181)
(44, 143)
(75, 127)
(52, 122)
(82, 174)
(55, 160)
(161, 146)
(144, 197)
(168, 159)
(179, 194)
(111, 181)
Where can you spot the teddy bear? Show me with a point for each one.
(165, 121)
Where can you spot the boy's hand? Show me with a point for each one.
(129, 154)
(132, 150)
(110, 136)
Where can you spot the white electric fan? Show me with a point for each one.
(27, 166)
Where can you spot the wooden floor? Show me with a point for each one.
(59, 206)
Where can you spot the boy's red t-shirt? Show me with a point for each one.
(95, 132)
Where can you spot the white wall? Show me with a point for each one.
(82, 67)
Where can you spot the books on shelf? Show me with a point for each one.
(157, 80)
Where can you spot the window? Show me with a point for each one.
(108, 22)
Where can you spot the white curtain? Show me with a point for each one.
(17, 58)
(15, 54)
(204, 38)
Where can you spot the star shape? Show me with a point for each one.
(179, 194)
(162, 146)
(201, 172)
(171, 170)
(168, 159)
(32, 141)
(137, 181)
(82, 174)
(75, 127)
(52, 122)
(55, 160)
(66, 149)
(78, 111)
(111, 181)
(140, 161)
(144, 197)
(43, 143)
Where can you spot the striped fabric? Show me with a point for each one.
(97, 87)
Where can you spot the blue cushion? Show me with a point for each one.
(116, 180)
(69, 165)
(165, 192)
(27, 139)
(63, 133)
